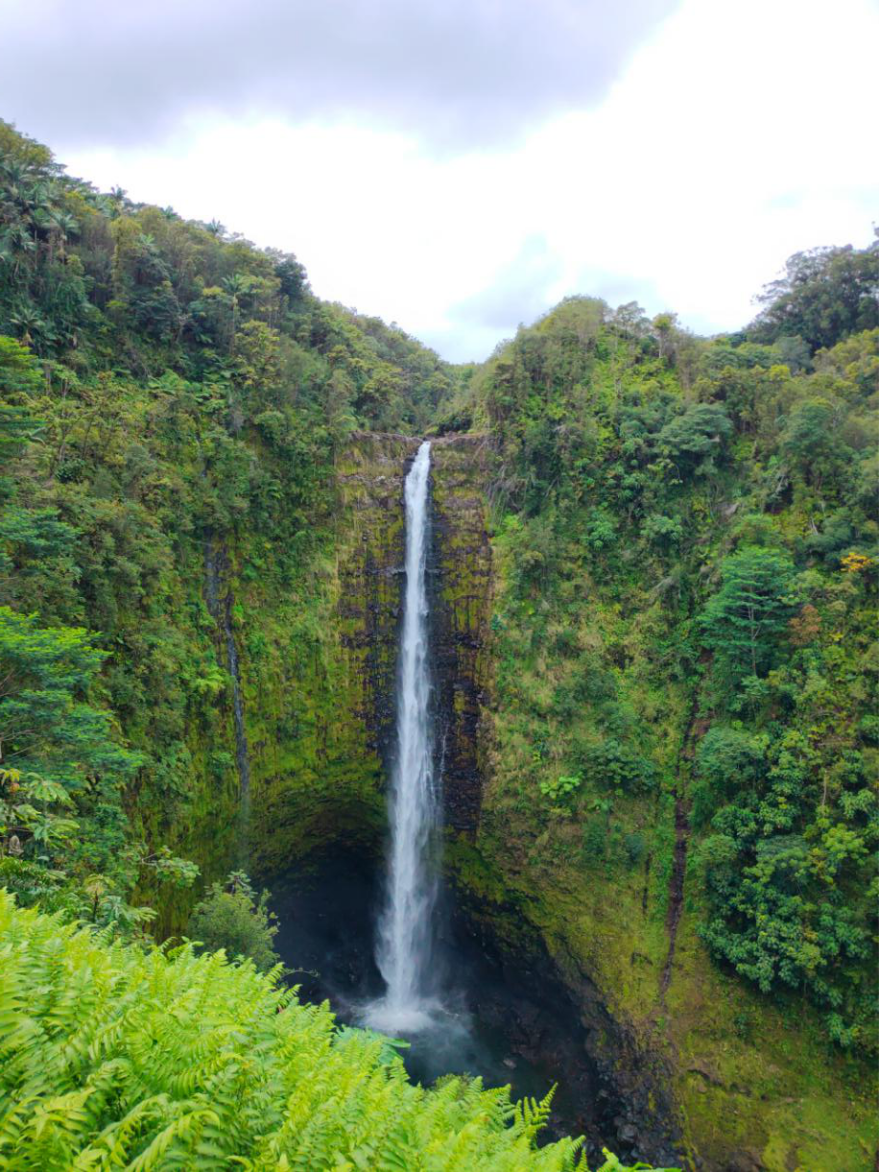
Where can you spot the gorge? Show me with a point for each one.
(462, 996)
(646, 582)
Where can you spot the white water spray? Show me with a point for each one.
(406, 924)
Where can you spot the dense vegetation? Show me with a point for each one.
(688, 531)
(683, 644)
(168, 390)
(116, 1057)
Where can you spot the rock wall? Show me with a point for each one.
(317, 678)
(371, 553)
(318, 766)
(320, 705)
(461, 606)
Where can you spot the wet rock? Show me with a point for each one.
(460, 585)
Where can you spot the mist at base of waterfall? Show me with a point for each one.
(490, 1023)
(406, 926)
(414, 1017)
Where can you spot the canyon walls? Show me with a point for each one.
(320, 723)
(700, 1064)
(461, 604)
(319, 766)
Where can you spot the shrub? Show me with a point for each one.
(595, 838)
(635, 847)
(561, 790)
(611, 763)
(233, 918)
(727, 760)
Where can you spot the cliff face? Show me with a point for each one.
(321, 774)
(461, 607)
(318, 682)
(702, 1057)
(318, 774)
(307, 720)
(747, 1084)
(702, 1064)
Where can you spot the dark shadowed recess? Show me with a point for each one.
(505, 1026)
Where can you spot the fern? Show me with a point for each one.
(114, 1057)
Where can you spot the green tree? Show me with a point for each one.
(49, 731)
(811, 440)
(743, 621)
(824, 295)
(233, 917)
(696, 439)
(727, 760)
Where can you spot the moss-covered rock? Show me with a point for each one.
(320, 720)
(461, 602)
(743, 1084)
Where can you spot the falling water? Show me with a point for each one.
(217, 567)
(405, 927)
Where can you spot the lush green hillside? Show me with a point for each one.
(174, 405)
(684, 746)
(664, 733)
(688, 541)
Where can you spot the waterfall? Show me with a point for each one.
(217, 567)
(406, 923)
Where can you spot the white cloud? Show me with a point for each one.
(744, 132)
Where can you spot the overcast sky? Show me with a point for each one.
(458, 166)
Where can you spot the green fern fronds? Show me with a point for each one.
(113, 1057)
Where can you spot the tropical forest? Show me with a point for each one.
(414, 765)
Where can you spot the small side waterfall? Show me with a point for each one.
(217, 568)
(406, 924)
(242, 757)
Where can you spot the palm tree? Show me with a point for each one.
(15, 243)
(57, 225)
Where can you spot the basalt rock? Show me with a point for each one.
(372, 548)
(319, 768)
(461, 603)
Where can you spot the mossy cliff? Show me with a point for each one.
(291, 753)
(319, 722)
(702, 1063)
(461, 602)
(742, 1084)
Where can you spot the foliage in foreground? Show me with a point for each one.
(116, 1057)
